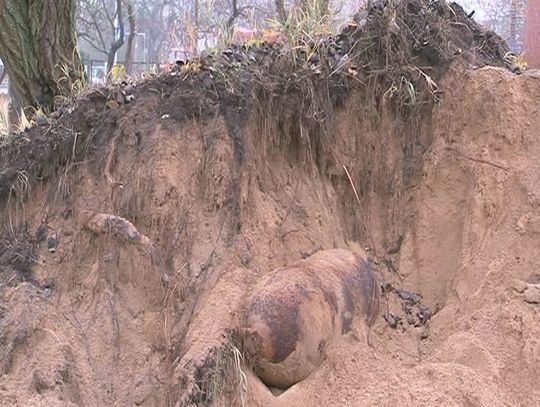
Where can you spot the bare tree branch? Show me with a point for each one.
(131, 37)
(90, 42)
(280, 8)
(107, 14)
(236, 12)
(115, 46)
(99, 33)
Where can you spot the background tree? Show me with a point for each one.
(38, 47)
(118, 38)
(506, 17)
(155, 19)
(280, 9)
(101, 24)
(131, 36)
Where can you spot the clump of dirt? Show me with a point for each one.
(405, 307)
(18, 254)
(416, 33)
(172, 198)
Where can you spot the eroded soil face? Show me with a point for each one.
(106, 320)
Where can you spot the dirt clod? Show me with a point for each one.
(532, 294)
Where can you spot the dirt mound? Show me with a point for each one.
(169, 208)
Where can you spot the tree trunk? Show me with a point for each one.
(38, 46)
(131, 36)
(229, 25)
(194, 48)
(280, 8)
(118, 42)
(3, 75)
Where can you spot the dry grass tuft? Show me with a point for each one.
(219, 378)
(4, 123)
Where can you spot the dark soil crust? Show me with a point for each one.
(394, 50)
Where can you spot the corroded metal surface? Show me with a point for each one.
(297, 311)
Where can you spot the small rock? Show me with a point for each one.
(41, 120)
(519, 286)
(41, 232)
(410, 319)
(424, 314)
(532, 294)
(425, 333)
(411, 298)
(120, 98)
(392, 320)
(52, 242)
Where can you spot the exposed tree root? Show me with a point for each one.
(112, 183)
(477, 160)
(104, 223)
